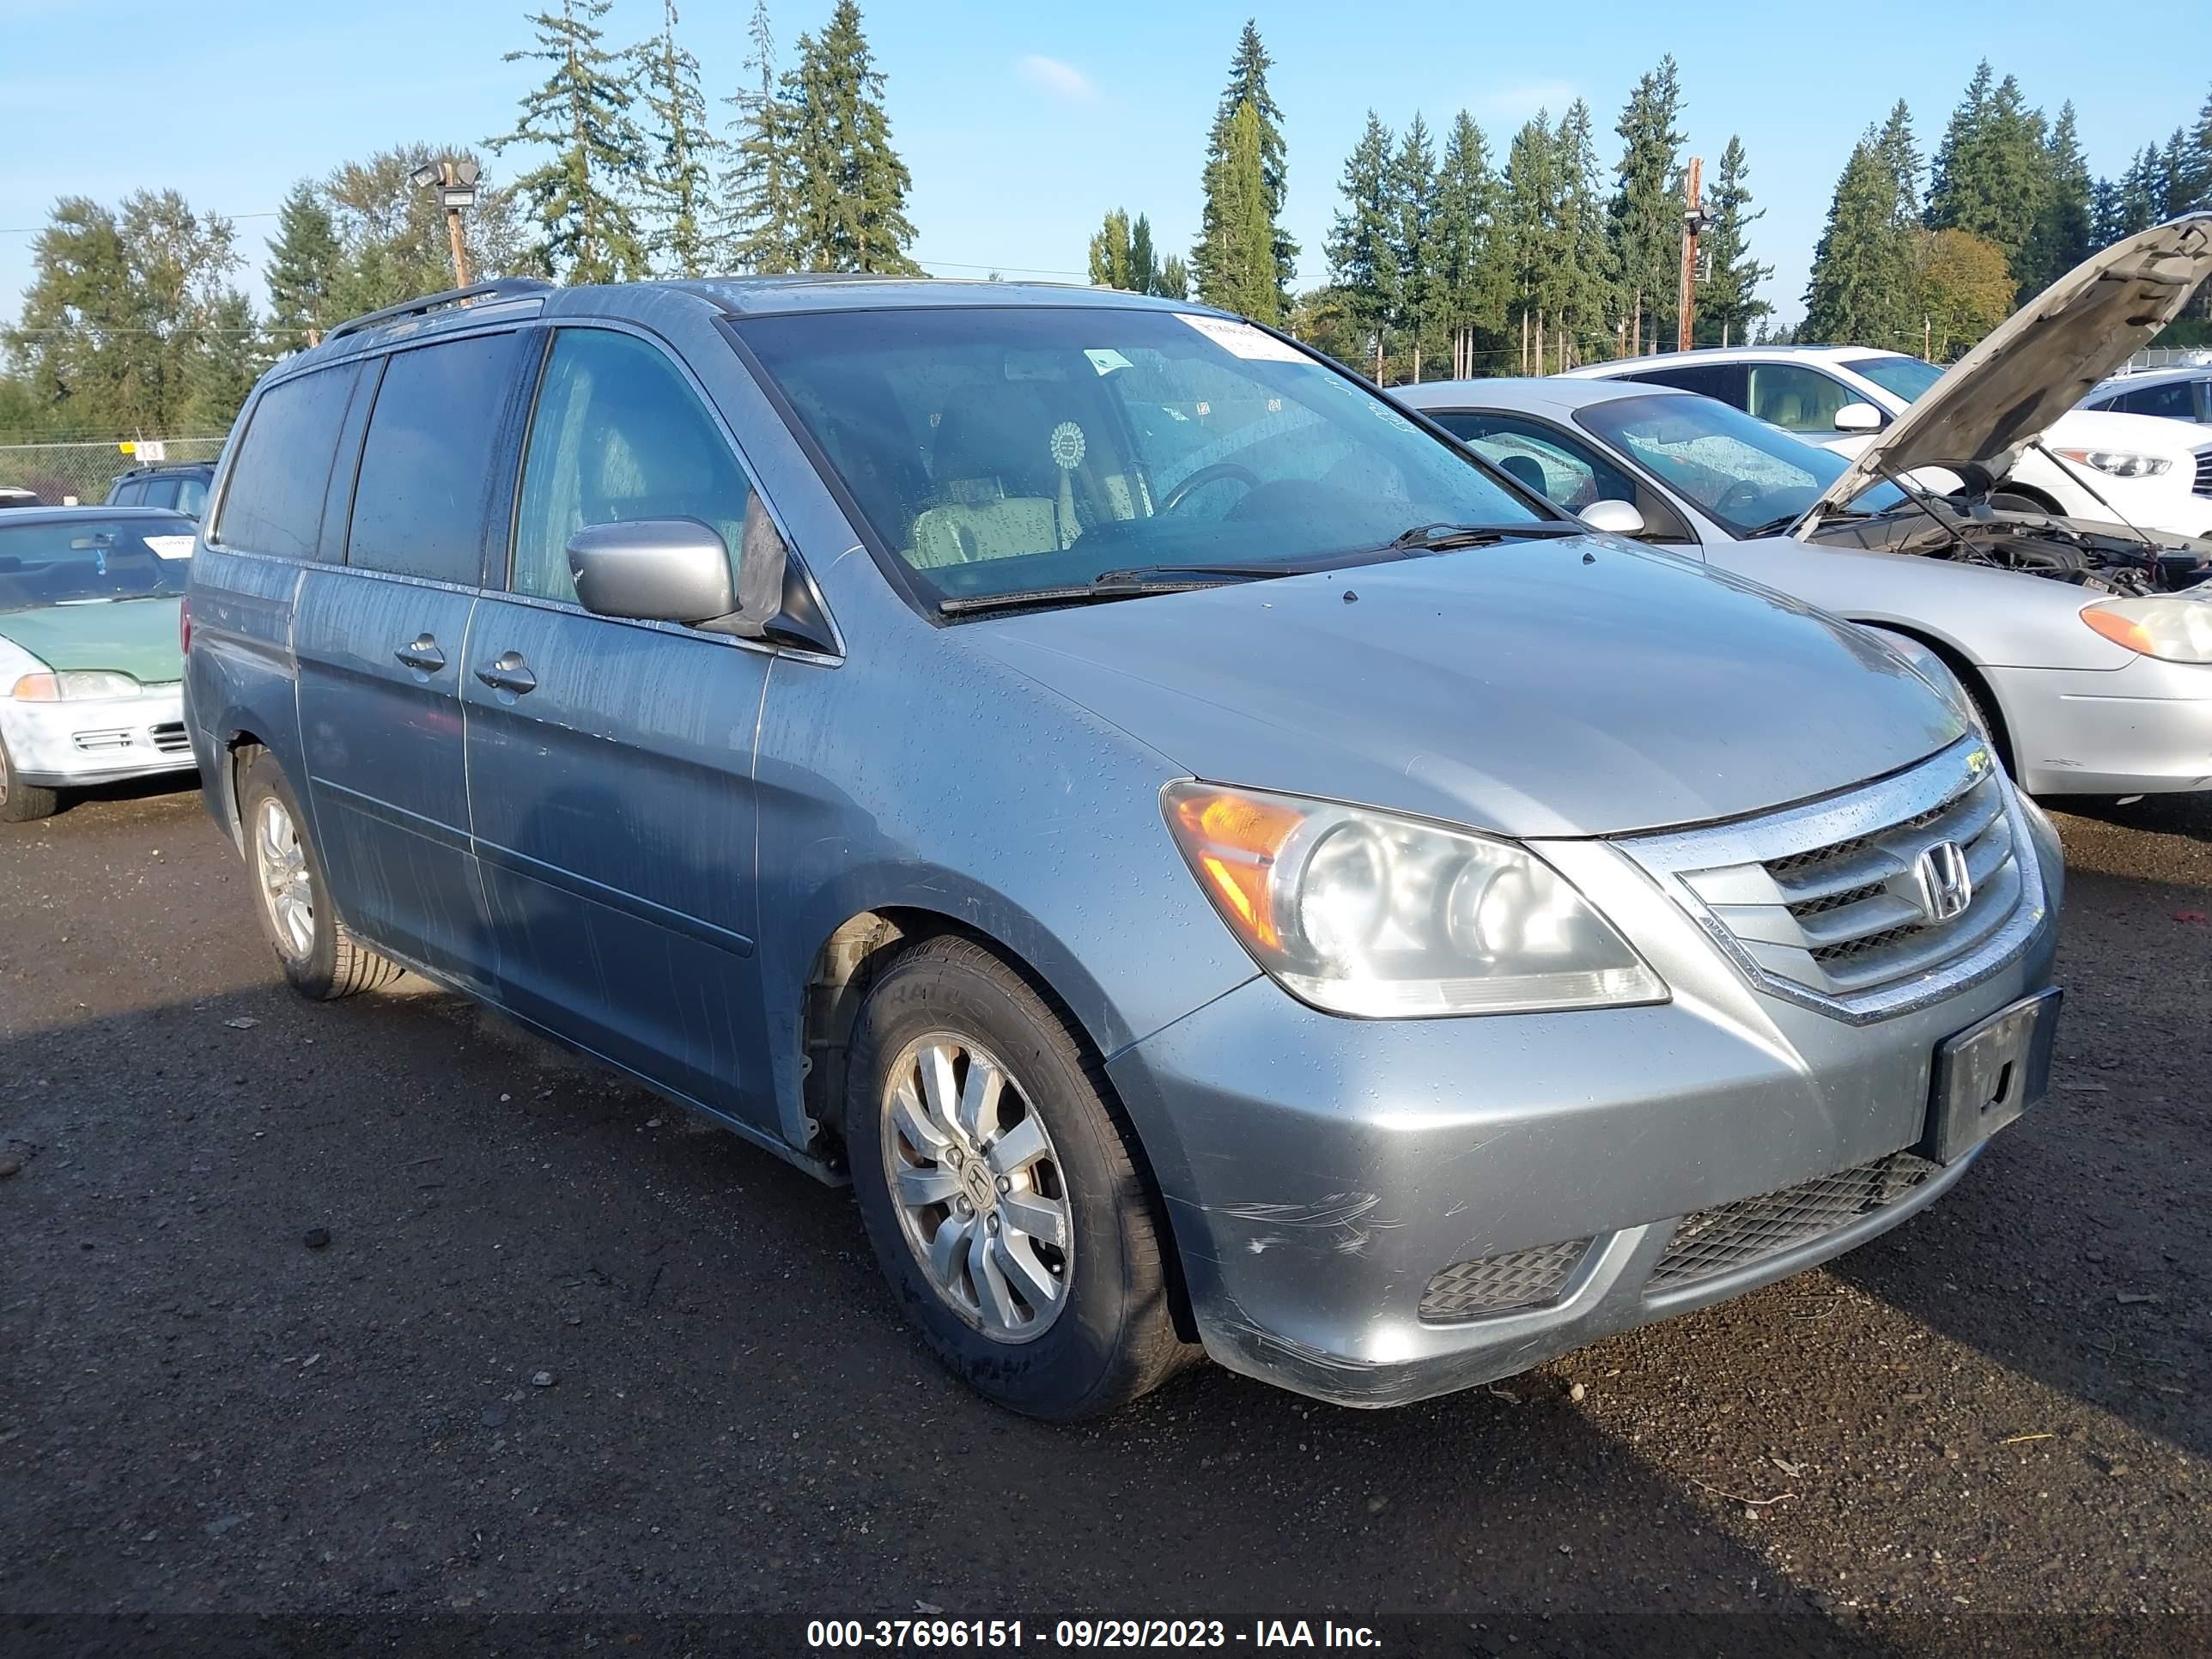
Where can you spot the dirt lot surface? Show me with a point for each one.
(570, 1358)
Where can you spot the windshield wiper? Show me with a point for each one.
(1112, 585)
(1443, 537)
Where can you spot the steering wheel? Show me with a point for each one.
(1207, 475)
(1738, 496)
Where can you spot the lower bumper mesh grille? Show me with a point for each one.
(1498, 1284)
(170, 737)
(1732, 1236)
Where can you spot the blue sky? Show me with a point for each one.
(1023, 122)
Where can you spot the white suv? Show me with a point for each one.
(2145, 468)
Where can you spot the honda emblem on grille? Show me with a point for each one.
(1947, 887)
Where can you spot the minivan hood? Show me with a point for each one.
(2007, 391)
(1557, 688)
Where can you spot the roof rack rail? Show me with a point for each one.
(506, 287)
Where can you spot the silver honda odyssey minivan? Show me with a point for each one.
(1217, 866)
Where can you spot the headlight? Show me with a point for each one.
(2168, 625)
(1365, 913)
(74, 686)
(2120, 463)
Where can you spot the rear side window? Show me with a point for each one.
(192, 496)
(128, 494)
(426, 466)
(161, 492)
(1720, 380)
(2176, 400)
(274, 502)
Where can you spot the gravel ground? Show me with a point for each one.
(565, 1352)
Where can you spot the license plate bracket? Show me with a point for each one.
(1988, 1074)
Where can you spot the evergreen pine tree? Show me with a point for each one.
(2064, 227)
(1989, 172)
(1647, 206)
(1217, 238)
(760, 188)
(852, 184)
(1863, 270)
(2141, 191)
(1143, 260)
(226, 359)
(1464, 260)
(1174, 281)
(302, 270)
(1729, 306)
(2176, 177)
(1411, 193)
(2105, 214)
(1587, 293)
(1363, 252)
(678, 188)
(580, 197)
(1530, 219)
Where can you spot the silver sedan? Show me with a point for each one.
(2084, 691)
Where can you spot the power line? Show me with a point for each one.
(33, 230)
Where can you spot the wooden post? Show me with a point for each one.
(1685, 306)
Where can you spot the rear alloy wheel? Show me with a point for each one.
(318, 952)
(1000, 1187)
(21, 802)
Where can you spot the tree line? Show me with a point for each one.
(1441, 256)
(2008, 206)
(135, 322)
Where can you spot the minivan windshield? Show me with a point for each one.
(1752, 478)
(1904, 377)
(91, 560)
(1005, 450)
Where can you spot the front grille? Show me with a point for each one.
(2203, 484)
(1835, 903)
(101, 742)
(1498, 1284)
(1732, 1236)
(169, 737)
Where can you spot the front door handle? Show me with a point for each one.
(423, 653)
(508, 672)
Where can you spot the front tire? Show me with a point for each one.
(1000, 1190)
(21, 802)
(318, 952)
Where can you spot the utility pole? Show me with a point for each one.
(1695, 222)
(456, 185)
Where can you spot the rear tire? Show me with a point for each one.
(1059, 1310)
(21, 802)
(292, 898)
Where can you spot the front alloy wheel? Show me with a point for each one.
(980, 1198)
(998, 1182)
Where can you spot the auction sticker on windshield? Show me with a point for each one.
(1243, 340)
(170, 547)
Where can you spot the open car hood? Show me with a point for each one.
(2004, 394)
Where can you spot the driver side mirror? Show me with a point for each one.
(1614, 518)
(1858, 417)
(653, 570)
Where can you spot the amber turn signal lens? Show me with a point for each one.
(2121, 630)
(1234, 838)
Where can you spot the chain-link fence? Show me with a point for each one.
(58, 474)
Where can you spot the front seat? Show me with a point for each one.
(1529, 471)
(997, 484)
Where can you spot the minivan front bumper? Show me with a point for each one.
(1320, 1173)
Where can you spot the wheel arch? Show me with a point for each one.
(855, 954)
(1963, 669)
